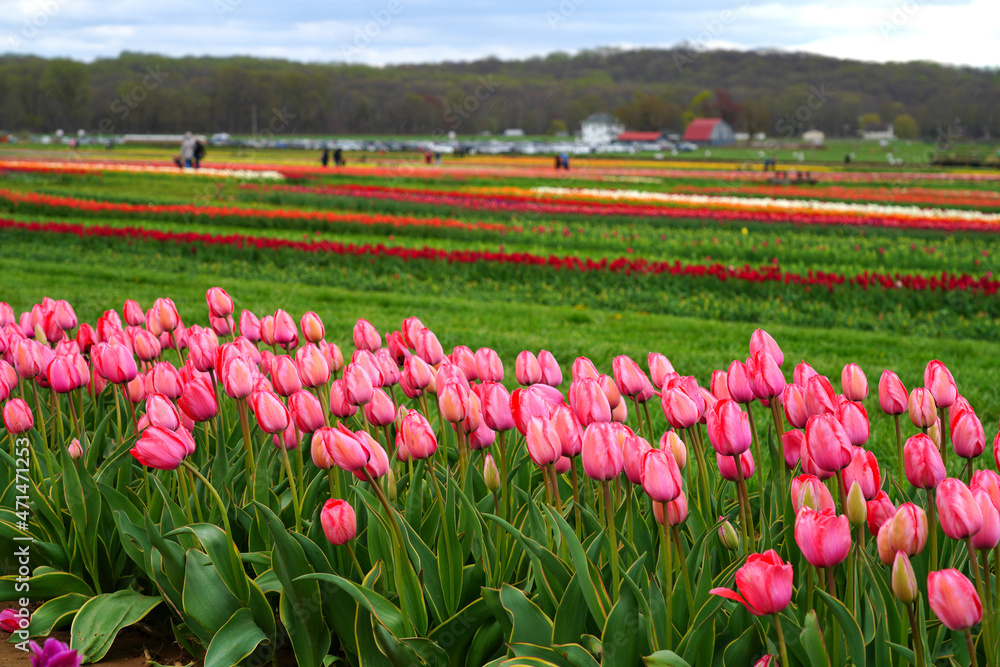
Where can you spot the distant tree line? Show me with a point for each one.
(780, 94)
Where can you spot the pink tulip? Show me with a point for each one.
(114, 362)
(202, 351)
(828, 444)
(854, 418)
(670, 440)
(958, 510)
(344, 448)
(728, 428)
(988, 536)
(727, 467)
(764, 584)
(164, 379)
(496, 406)
(879, 510)
(584, 368)
(339, 405)
(988, 481)
(607, 385)
(568, 428)
(589, 402)
(320, 455)
(249, 326)
(136, 389)
(62, 375)
(885, 551)
(220, 304)
(306, 411)
(379, 411)
(803, 373)
(601, 452)
(340, 525)
(453, 402)
(760, 340)
(285, 376)
(358, 384)
(907, 529)
(378, 460)
(543, 443)
(892, 396)
(719, 385)
(526, 369)
(922, 462)
(134, 314)
(198, 401)
(161, 412)
(680, 409)
(922, 409)
(272, 415)
(387, 365)
(489, 368)
(86, 337)
(765, 376)
(418, 436)
(482, 437)
(74, 450)
(313, 368)
(854, 383)
(146, 345)
(793, 399)
(659, 369)
(820, 397)
(629, 378)
(953, 599)
(967, 435)
(551, 373)
(428, 347)
(285, 333)
(411, 329)
(823, 537)
(791, 447)
(163, 316)
(17, 417)
(940, 383)
(417, 373)
(634, 448)
(366, 336)
(738, 383)
(312, 327)
(661, 478)
(367, 361)
(463, 357)
(809, 491)
(163, 449)
(287, 439)
(864, 470)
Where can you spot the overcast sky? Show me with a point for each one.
(405, 31)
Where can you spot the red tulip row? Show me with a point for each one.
(912, 196)
(944, 282)
(76, 205)
(527, 204)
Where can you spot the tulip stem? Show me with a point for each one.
(702, 481)
(291, 487)
(996, 573)
(978, 576)
(989, 591)
(576, 499)
(684, 566)
(943, 430)
(628, 507)
(741, 490)
(831, 583)
(649, 423)
(609, 512)
(899, 451)
(503, 475)
(781, 640)
(331, 476)
(215, 494)
(917, 648)
(668, 573)
(397, 537)
(554, 476)
(932, 528)
(241, 407)
(972, 648)
(760, 463)
(779, 432)
(354, 559)
(40, 420)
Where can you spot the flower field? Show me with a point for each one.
(488, 415)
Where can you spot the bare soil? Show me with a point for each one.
(132, 648)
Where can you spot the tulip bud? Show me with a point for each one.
(390, 485)
(75, 450)
(339, 521)
(922, 409)
(854, 383)
(671, 441)
(727, 535)
(490, 474)
(892, 395)
(904, 582)
(857, 512)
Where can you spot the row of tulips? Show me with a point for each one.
(567, 201)
(768, 273)
(394, 544)
(33, 202)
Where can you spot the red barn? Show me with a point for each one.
(709, 131)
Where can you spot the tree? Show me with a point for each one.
(66, 86)
(905, 126)
(557, 125)
(869, 119)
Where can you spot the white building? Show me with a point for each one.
(879, 131)
(600, 128)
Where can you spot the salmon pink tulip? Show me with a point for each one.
(339, 522)
(306, 411)
(958, 510)
(601, 452)
(922, 462)
(551, 373)
(953, 599)
(163, 449)
(823, 537)
(312, 327)
(907, 529)
(892, 395)
(661, 478)
(764, 584)
(728, 428)
(366, 336)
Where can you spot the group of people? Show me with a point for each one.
(338, 157)
(192, 152)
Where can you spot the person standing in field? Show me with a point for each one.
(187, 149)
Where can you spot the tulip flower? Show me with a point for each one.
(719, 385)
(411, 329)
(988, 536)
(10, 620)
(162, 448)
(633, 450)
(543, 443)
(306, 411)
(728, 428)
(344, 448)
(809, 491)
(659, 369)
(791, 447)
(463, 357)
(161, 412)
(727, 466)
(312, 327)
(923, 464)
(864, 470)
(453, 402)
(551, 373)
(62, 375)
(163, 316)
(886, 553)
(496, 406)
(285, 333)
(53, 653)
(793, 399)
(922, 409)
(74, 450)
(802, 373)
(114, 362)
(820, 398)
(764, 584)
(339, 521)
(727, 535)
(907, 529)
(988, 481)
(878, 511)
(366, 336)
(670, 440)
(738, 383)
(854, 383)
(853, 417)
(601, 452)
(967, 435)
(378, 460)
(958, 511)
(238, 377)
(904, 582)
(379, 411)
(827, 442)
(660, 476)
(526, 368)
(490, 474)
(272, 415)
(567, 427)
(428, 347)
(892, 396)
(339, 405)
(589, 402)
(489, 368)
(629, 378)
(134, 314)
(940, 383)
(17, 417)
(482, 437)
(285, 376)
(198, 401)
(760, 340)
(823, 537)
(358, 386)
(680, 409)
(677, 511)
(418, 436)
(765, 375)
(953, 599)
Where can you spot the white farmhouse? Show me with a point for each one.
(600, 128)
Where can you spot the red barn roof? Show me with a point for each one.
(639, 136)
(700, 129)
